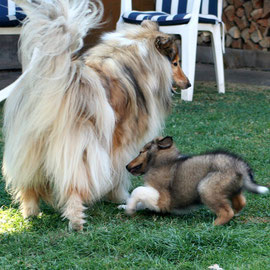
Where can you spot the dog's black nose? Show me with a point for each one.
(188, 84)
(127, 168)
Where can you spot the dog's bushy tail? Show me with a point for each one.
(46, 135)
(251, 185)
(56, 27)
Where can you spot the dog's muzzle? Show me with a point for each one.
(134, 170)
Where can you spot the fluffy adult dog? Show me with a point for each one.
(175, 183)
(74, 122)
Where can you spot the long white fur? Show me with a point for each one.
(40, 122)
(47, 142)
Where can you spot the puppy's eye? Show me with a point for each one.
(175, 64)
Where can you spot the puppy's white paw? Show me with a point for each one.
(122, 207)
(128, 211)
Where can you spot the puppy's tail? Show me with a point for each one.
(251, 185)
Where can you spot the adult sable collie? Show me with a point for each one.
(175, 183)
(74, 122)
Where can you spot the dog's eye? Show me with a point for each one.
(175, 64)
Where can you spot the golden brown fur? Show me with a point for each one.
(174, 182)
(73, 123)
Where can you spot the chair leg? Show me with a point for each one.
(189, 48)
(120, 24)
(218, 58)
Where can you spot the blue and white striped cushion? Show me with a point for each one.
(208, 12)
(173, 6)
(172, 12)
(185, 6)
(209, 7)
(10, 14)
(161, 18)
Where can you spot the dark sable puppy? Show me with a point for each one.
(175, 183)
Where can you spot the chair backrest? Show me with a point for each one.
(185, 6)
(174, 6)
(10, 14)
(209, 7)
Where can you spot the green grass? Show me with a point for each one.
(238, 121)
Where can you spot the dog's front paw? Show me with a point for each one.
(130, 211)
(75, 226)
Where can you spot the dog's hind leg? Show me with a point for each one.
(220, 205)
(238, 202)
(73, 211)
(224, 214)
(141, 198)
(29, 199)
(212, 193)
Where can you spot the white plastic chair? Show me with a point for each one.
(185, 18)
(10, 18)
(10, 30)
(216, 28)
(4, 93)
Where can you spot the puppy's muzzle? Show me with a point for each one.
(134, 170)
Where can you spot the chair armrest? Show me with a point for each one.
(126, 5)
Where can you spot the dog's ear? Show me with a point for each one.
(150, 25)
(165, 45)
(165, 143)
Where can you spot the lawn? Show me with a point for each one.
(238, 121)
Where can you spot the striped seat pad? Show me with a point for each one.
(10, 14)
(162, 18)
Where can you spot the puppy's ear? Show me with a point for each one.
(150, 25)
(166, 46)
(165, 143)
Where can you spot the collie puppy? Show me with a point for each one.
(176, 183)
(75, 121)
